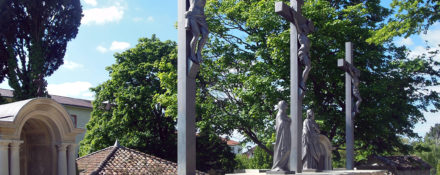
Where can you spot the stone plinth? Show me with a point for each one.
(333, 172)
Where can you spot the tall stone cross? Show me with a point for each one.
(299, 56)
(352, 100)
(192, 35)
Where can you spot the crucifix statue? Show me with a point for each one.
(300, 27)
(196, 23)
(352, 94)
(192, 35)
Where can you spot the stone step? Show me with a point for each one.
(332, 172)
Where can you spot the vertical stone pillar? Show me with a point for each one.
(71, 157)
(4, 158)
(349, 129)
(62, 159)
(15, 157)
(186, 96)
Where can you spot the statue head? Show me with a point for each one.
(310, 114)
(282, 105)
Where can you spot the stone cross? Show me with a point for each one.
(299, 55)
(191, 26)
(351, 106)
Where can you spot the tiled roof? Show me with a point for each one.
(230, 142)
(118, 160)
(60, 99)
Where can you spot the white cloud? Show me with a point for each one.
(116, 45)
(150, 19)
(102, 15)
(433, 37)
(91, 2)
(71, 65)
(405, 42)
(101, 49)
(78, 89)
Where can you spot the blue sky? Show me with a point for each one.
(111, 26)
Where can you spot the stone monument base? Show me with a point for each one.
(280, 172)
(325, 172)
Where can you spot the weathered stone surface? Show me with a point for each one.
(333, 172)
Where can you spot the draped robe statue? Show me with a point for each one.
(311, 150)
(282, 145)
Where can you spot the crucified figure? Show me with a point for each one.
(304, 50)
(355, 74)
(196, 22)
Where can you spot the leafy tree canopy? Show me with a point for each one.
(127, 108)
(412, 16)
(33, 40)
(246, 73)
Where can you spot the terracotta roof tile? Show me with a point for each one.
(89, 163)
(121, 160)
(230, 142)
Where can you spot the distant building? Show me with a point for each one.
(397, 165)
(234, 145)
(121, 160)
(79, 109)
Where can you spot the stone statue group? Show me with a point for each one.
(316, 148)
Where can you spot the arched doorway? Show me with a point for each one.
(37, 137)
(37, 151)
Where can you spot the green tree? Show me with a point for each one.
(434, 134)
(130, 107)
(429, 152)
(438, 167)
(125, 107)
(213, 154)
(259, 160)
(33, 40)
(246, 73)
(412, 16)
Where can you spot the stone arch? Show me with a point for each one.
(47, 131)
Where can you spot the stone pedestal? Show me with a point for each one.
(332, 172)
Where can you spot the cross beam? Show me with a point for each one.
(290, 14)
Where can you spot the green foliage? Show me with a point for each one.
(438, 167)
(125, 107)
(130, 107)
(434, 134)
(243, 162)
(33, 40)
(246, 73)
(429, 152)
(213, 154)
(429, 148)
(260, 160)
(412, 16)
